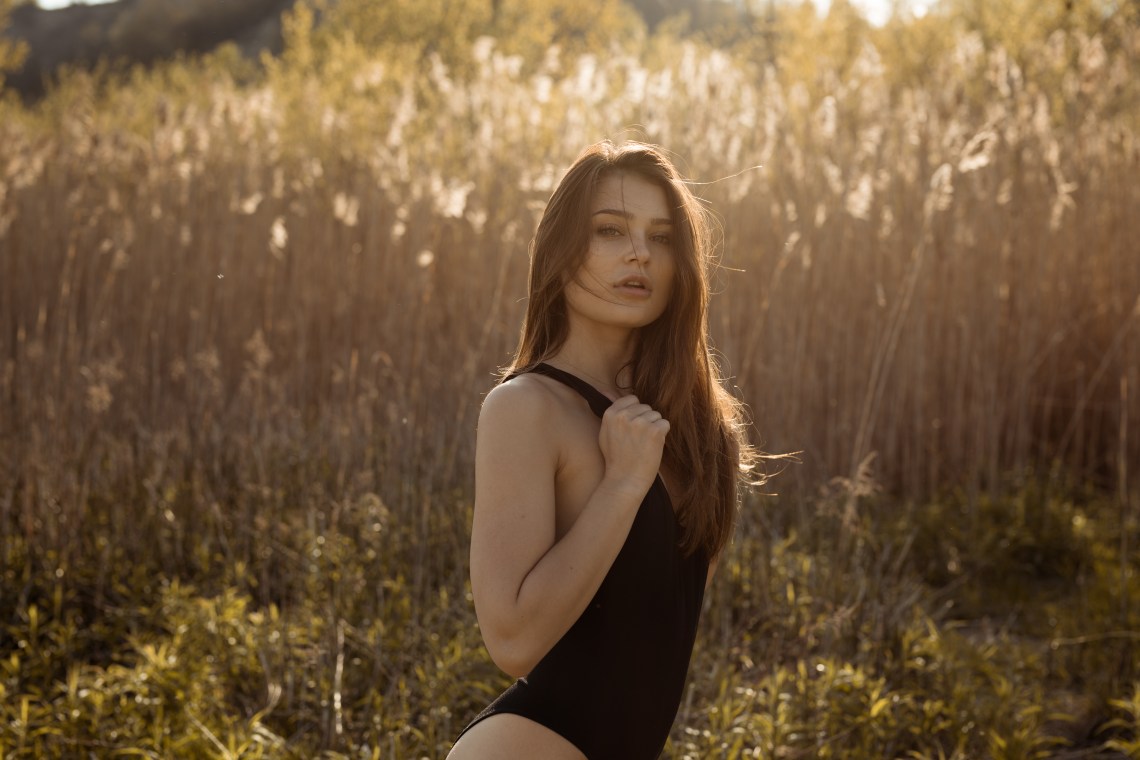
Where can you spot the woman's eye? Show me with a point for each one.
(608, 230)
(662, 239)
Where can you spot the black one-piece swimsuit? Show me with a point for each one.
(612, 684)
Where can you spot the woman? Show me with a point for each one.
(606, 471)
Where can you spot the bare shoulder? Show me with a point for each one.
(526, 401)
(525, 394)
(515, 436)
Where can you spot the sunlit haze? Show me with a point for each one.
(877, 11)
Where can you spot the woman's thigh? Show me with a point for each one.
(505, 735)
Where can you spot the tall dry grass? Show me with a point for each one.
(252, 273)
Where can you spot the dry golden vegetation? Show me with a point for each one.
(246, 323)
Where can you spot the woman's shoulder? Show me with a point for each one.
(528, 397)
(523, 418)
(529, 392)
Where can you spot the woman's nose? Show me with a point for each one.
(638, 248)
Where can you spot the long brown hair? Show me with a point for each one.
(673, 369)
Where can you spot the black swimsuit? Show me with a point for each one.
(612, 684)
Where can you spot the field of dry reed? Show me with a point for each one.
(246, 328)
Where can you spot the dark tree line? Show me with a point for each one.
(142, 31)
(135, 31)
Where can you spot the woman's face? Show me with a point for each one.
(627, 277)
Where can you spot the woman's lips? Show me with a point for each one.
(635, 286)
(632, 291)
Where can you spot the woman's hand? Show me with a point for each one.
(632, 439)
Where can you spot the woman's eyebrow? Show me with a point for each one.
(627, 215)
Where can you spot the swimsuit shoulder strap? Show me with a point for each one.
(597, 400)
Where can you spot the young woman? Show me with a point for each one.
(606, 471)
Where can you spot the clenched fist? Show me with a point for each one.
(632, 439)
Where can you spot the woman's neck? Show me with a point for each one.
(602, 361)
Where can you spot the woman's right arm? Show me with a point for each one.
(528, 587)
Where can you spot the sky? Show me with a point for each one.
(876, 10)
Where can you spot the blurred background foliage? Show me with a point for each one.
(12, 52)
(253, 293)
